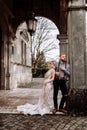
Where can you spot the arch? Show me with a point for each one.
(47, 24)
(55, 10)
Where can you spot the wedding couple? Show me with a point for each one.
(54, 79)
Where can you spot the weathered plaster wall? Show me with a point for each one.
(20, 74)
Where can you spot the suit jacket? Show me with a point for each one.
(65, 73)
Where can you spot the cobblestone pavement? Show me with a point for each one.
(10, 119)
(37, 122)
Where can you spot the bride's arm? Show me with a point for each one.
(52, 76)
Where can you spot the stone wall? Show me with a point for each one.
(20, 75)
(20, 62)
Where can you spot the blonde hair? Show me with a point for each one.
(52, 62)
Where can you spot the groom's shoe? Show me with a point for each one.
(54, 111)
(63, 110)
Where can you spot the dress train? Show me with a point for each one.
(45, 102)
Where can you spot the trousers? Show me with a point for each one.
(59, 84)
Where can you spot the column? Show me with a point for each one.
(63, 44)
(77, 54)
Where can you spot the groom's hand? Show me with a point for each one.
(57, 74)
(62, 68)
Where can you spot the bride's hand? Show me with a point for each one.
(45, 76)
(57, 74)
(45, 83)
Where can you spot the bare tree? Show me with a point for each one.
(44, 41)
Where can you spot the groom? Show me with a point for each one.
(61, 76)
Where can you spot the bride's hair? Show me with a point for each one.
(52, 62)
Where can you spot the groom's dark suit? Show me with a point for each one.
(60, 83)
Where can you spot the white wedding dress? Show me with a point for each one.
(45, 102)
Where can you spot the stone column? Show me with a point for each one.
(77, 54)
(63, 44)
(7, 69)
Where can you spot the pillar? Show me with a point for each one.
(7, 69)
(63, 44)
(77, 55)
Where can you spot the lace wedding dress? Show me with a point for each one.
(45, 102)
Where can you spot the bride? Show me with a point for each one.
(45, 102)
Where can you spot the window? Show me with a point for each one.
(12, 50)
(23, 52)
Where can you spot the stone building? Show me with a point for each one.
(15, 53)
(70, 18)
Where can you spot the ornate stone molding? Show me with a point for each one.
(73, 8)
(63, 39)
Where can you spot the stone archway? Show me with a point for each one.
(20, 61)
(55, 10)
(52, 9)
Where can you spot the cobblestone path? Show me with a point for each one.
(37, 122)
